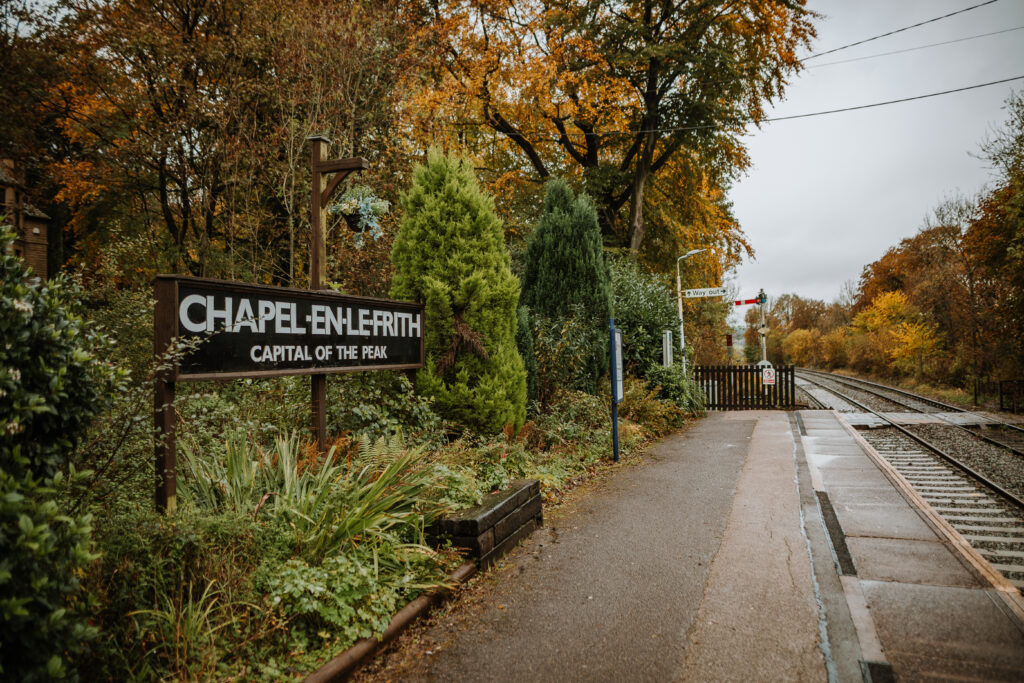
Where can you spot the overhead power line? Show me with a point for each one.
(903, 99)
(681, 129)
(912, 49)
(898, 30)
(826, 112)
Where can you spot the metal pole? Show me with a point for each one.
(679, 301)
(764, 324)
(615, 405)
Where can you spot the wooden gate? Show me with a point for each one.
(741, 387)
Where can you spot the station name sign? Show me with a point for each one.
(257, 331)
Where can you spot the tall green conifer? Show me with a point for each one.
(450, 254)
(566, 274)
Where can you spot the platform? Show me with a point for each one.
(921, 600)
(872, 421)
(760, 545)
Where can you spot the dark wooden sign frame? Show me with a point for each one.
(166, 324)
(167, 327)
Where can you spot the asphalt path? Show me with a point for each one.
(659, 575)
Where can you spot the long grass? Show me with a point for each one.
(330, 505)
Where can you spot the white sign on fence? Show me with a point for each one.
(706, 291)
(768, 376)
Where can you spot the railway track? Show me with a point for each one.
(995, 432)
(986, 510)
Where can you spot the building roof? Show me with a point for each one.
(33, 212)
(6, 179)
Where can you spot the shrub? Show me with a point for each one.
(43, 553)
(347, 596)
(566, 275)
(165, 584)
(833, 348)
(640, 404)
(375, 405)
(450, 254)
(564, 348)
(673, 385)
(524, 342)
(644, 309)
(52, 382)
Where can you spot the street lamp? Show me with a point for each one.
(679, 300)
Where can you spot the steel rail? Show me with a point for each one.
(855, 381)
(931, 447)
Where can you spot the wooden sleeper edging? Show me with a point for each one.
(344, 664)
(488, 531)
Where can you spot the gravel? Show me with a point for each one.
(998, 464)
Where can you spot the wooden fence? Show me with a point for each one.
(1011, 395)
(741, 387)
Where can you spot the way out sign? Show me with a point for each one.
(245, 330)
(703, 292)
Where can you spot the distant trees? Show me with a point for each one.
(450, 254)
(181, 128)
(946, 304)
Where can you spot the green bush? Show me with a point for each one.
(640, 404)
(566, 275)
(644, 309)
(52, 382)
(375, 405)
(450, 254)
(674, 385)
(165, 586)
(524, 342)
(41, 603)
(565, 347)
(347, 596)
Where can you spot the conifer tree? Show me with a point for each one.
(566, 274)
(450, 254)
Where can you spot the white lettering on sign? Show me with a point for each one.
(278, 353)
(706, 291)
(375, 352)
(200, 313)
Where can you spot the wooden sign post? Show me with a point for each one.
(322, 190)
(248, 330)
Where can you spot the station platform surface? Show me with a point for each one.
(756, 545)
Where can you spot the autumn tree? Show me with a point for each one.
(801, 347)
(188, 123)
(619, 93)
(997, 236)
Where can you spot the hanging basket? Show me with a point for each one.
(352, 219)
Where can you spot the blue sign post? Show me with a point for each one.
(615, 350)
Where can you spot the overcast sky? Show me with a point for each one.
(828, 195)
